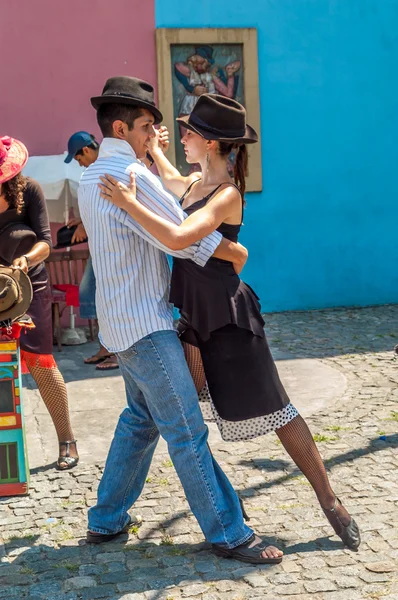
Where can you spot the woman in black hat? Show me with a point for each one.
(25, 243)
(220, 314)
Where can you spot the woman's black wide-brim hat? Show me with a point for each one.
(16, 239)
(128, 90)
(219, 118)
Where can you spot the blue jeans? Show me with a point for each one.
(87, 293)
(162, 400)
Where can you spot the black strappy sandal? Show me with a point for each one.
(349, 534)
(70, 461)
(245, 554)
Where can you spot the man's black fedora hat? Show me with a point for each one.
(64, 237)
(128, 90)
(219, 118)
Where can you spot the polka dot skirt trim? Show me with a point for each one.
(234, 431)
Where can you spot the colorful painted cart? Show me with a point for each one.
(14, 469)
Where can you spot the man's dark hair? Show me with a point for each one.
(107, 114)
(94, 146)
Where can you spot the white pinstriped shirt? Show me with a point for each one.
(131, 269)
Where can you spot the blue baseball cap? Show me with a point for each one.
(76, 142)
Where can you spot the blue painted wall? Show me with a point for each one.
(324, 230)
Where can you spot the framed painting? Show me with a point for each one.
(191, 62)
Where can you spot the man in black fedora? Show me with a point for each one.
(136, 323)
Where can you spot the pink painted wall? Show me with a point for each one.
(61, 53)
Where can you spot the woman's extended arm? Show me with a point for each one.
(195, 227)
(170, 176)
(38, 254)
(176, 237)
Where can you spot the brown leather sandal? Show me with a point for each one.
(96, 359)
(108, 364)
(246, 554)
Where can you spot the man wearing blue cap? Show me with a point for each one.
(84, 148)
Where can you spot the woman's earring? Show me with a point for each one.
(207, 161)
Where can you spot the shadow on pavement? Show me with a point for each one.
(44, 571)
(44, 468)
(269, 465)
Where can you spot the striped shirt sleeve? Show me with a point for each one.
(159, 201)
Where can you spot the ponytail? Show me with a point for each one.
(241, 168)
(240, 165)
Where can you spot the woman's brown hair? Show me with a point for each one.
(241, 163)
(13, 191)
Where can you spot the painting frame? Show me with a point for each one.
(166, 38)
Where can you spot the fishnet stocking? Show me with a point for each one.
(52, 389)
(296, 439)
(194, 360)
(299, 444)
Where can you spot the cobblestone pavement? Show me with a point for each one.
(44, 555)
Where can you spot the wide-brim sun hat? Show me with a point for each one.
(131, 91)
(217, 117)
(13, 157)
(15, 294)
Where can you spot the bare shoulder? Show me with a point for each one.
(229, 192)
(227, 204)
